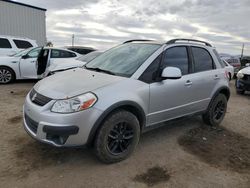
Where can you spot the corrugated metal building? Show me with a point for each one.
(22, 20)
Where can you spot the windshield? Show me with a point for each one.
(90, 56)
(123, 60)
(21, 53)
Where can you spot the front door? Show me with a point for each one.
(169, 98)
(28, 64)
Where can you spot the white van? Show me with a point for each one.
(10, 45)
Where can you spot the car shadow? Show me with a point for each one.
(30, 155)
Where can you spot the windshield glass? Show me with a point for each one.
(22, 52)
(90, 56)
(123, 60)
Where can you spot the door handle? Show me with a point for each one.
(188, 83)
(216, 77)
(32, 61)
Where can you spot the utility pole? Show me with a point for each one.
(73, 39)
(242, 51)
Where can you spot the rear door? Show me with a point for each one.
(28, 62)
(42, 61)
(205, 75)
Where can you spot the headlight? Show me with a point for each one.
(240, 75)
(75, 104)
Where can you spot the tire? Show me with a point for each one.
(7, 75)
(110, 143)
(216, 111)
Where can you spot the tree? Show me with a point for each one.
(49, 44)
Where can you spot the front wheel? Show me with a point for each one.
(6, 75)
(216, 112)
(117, 137)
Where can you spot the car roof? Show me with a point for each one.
(173, 41)
(16, 37)
(80, 47)
(55, 48)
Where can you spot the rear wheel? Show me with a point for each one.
(217, 110)
(6, 75)
(117, 137)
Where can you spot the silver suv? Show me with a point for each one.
(126, 91)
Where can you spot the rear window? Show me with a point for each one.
(22, 44)
(222, 63)
(4, 43)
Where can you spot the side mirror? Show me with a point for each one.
(171, 73)
(248, 65)
(25, 56)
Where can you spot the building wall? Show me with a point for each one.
(22, 21)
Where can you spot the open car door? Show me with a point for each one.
(42, 61)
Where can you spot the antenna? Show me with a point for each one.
(73, 39)
(242, 50)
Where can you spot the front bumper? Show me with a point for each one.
(58, 129)
(243, 85)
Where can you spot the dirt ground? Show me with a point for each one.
(183, 153)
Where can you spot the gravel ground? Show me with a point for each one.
(180, 154)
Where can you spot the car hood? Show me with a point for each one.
(246, 70)
(74, 82)
(65, 65)
(10, 59)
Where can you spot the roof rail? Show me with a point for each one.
(139, 40)
(189, 40)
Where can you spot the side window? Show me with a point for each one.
(34, 53)
(150, 73)
(4, 43)
(177, 57)
(22, 44)
(202, 59)
(61, 54)
(55, 54)
(66, 54)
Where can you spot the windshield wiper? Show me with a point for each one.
(99, 70)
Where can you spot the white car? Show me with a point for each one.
(70, 64)
(242, 82)
(229, 68)
(23, 65)
(11, 45)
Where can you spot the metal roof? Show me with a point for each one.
(22, 4)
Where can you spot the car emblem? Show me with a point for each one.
(34, 97)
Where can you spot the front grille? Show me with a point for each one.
(38, 98)
(31, 124)
(246, 77)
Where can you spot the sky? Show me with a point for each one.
(106, 23)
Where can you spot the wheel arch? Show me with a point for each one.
(130, 106)
(223, 90)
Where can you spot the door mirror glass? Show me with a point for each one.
(171, 73)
